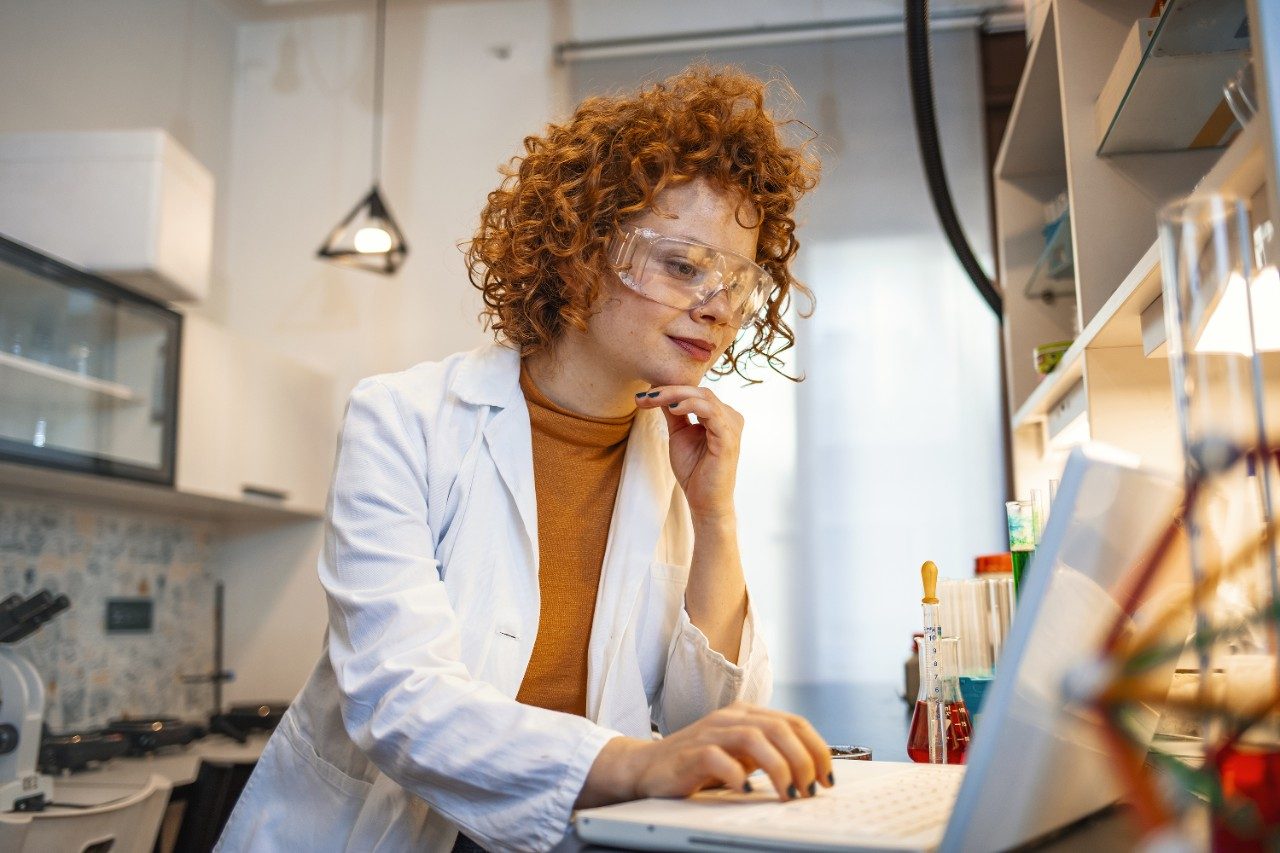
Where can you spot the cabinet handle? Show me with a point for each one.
(263, 492)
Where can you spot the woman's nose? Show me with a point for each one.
(716, 309)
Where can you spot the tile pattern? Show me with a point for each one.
(93, 554)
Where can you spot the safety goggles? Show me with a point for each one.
(685, 274)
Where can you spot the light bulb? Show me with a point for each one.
(372, 240)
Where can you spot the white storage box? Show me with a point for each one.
(132, 205)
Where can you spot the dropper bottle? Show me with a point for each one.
(940, 728)
(931, 680)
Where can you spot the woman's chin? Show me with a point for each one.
(675, 376)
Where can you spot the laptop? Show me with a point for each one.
(1035, 764)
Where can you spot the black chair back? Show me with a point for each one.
(213, 795)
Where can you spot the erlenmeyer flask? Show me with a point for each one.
(955, 716)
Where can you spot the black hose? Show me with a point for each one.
(920, 68)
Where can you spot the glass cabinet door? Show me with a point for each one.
(88, 371)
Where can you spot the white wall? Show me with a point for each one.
(121, 64)
(465, 83)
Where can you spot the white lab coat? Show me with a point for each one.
(407, 727)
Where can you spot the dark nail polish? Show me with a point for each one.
(746, 786)
(672, 405)
(831, 778)
(792, 791)
(653, 393)
(813, 789)
(641, 394)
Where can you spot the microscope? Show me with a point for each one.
(22, 787)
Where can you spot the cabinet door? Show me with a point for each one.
(254, 426)
(87, 371)
(287, 430)
(207, 412)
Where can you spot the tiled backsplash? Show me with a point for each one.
(93, 554)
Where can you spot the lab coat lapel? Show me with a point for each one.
(644, 499)
(490, 376)
(510, 441)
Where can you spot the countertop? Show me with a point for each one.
(177, 764)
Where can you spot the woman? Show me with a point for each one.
(531, 553)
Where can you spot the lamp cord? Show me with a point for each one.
(379, 49)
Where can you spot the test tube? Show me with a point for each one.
(1022, 537)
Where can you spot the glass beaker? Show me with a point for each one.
(1241, 94)
(954, 715)
(1224, 339)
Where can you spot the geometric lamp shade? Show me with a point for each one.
(367, 238)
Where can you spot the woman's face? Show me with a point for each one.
(641, 340)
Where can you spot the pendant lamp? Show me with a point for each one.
(368, 237)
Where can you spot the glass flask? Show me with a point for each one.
(956, 729)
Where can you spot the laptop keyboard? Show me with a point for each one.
(897, 804)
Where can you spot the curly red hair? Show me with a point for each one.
(539, 254)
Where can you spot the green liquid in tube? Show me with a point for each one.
(1024, 525)
(1021, 560)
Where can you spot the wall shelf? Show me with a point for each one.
(1113, 205)
(1118, 322)
(30, 482)
(1054, 273)
(107, 392)
(1165, 89)
(1052, 387)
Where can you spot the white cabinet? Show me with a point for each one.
(132, 205)
(253, 426)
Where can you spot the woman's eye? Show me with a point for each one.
(681, 268)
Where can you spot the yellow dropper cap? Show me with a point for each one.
(929, 574)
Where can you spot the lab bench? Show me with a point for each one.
(180, 766)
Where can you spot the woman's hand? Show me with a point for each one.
(722, 748)
(704, 456)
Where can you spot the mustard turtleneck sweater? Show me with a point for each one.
(577, 463)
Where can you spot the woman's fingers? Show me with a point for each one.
(750, 742)
(723, 424)
(715, 766)
(730, 744)
(816, 746)
(782, 736)
(806, 752)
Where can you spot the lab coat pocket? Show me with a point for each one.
(282, 807)
(331, 774)
(659, 618)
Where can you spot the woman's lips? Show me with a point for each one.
(695, 349)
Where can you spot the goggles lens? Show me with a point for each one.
(684, 274)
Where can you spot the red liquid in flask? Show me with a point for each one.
(956, 732)
(1251, 785)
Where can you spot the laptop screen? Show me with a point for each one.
(1036, 763)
